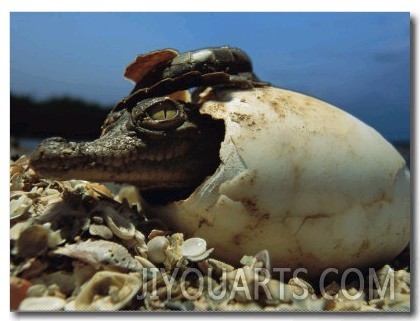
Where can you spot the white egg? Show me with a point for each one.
(301, 178)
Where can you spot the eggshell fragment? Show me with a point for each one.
(303, 179)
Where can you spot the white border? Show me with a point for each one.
(7, 6)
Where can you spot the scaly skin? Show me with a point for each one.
(161, 144)
(154, 143)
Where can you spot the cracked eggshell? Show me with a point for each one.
(303, 179)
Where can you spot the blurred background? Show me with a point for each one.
(66, 68)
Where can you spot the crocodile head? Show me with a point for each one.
(153, 142)
(160, 144)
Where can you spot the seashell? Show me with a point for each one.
(300, 286)
(195, 249)
(131, 194)
(97, 220)
(243, 278)
(17, 229)
(145, 262)
(350, 301)
(54, 237)
(156, 249)
(101, 231)
(18, 291)
(64, 282)
(120, 226)
(32, 268)
(44, 303)
(200, 257)
(53, 210)
(279, 293)
(16, 182)
(166, 250)
(400, 303)
(82, 273)
(32, 241)
(214, 268)
(137, 243)
(194, 246)
(107, 291)
(100, 253)
(153, 233)
(37, 290)
(293, 167)
(100, 189)
(19, 207)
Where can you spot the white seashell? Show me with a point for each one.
(156, 249)
(44, 303)
(301, 178)
(100, 230)
(200, 257)
(120, 226)
(194, 246)
(19, 207)
(195, 249)
(107, 291)
(99, 253)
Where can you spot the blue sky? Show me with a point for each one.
(359, 62)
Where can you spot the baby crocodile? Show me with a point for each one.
(155, 142)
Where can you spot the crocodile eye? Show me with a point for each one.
(162, 111)
(158, 114)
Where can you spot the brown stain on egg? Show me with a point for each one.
(363, 248)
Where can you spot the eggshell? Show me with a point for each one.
(301, 178)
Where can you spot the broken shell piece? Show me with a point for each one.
(157, 247)
(145, 262)
(54, 237)
(19, 207)
(99, 253)
(119, 225)
(44, 303)
(107, 291)
(100, 189)
(301, 286)
(137, 243)
(101, 231)
(16, 182)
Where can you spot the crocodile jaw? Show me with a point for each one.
(123, 160)
(174, 164)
